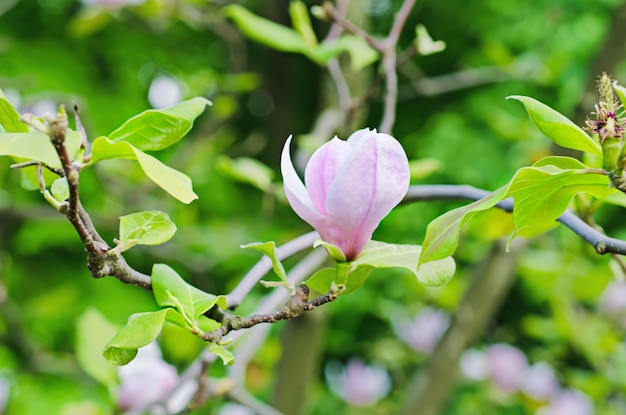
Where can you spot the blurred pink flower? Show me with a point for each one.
(147, 379)
(5, 389)
(424, 331)
(613, 298)
(568, 402)
(540, 382)
(473, 364)
(358, 383)
(507, 366)
(350, 187)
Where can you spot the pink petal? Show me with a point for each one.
(373, 179)
(322, 170)
(295, 191)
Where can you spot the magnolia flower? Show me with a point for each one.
(424, 331)
(569, 402)
(358, 383)
(350, 187)
(540, 381)
(507, 366)
(147, 379)
(473, 364)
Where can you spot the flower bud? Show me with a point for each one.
(350, 187)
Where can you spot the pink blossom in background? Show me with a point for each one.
(358, 383)
(540, 382)
(507, 366)
(113, 3)
(350, 187)
(568, 402)
(147, 379)
(473, 364)
(5, 388)
(613, 298)
(424, 331)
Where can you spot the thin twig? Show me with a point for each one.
(602, 244)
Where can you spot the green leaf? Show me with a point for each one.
(322, 280)
(558, 127)
(93, 331)
(172, 181)
(37, 146)
(158, 129)
(442, 234)
(145, 228)
(141, 329)
(302, 23)
(361, 53)
(269, 249)
(60, 189)
(333, 250)
(166, 283)
(384, 255)
(246, 170)
(223, 353)
(9, 117)
(265, 31)
(543, 192)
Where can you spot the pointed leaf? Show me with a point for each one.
(361, 53)
(158, 129)
(302, 22)
(621, 93)
(269, 249)
(246, 170)
(558, 127)
(223, 353)
(145, 228)
(93, 332)
(172, 181)
(37, 146)
(141, 329)
(383, 255)
(543, 192)
(265, 31)
(9, 117)
(166, 283)
(442, 234)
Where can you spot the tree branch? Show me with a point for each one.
(602, 244)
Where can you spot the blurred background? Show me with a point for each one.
(553, 343)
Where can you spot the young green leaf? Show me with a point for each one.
(558, 127)
(141, 329)
(172, 181)
(383, 255)
(93, 332)
(60, 190)
(145, 228)
(361, 53)
(9, 117)
(269, 249)
(322, 280)
(621, 93)
(37, 146)
(442, 234)
(265, 31)
(154, 130)
(542, 192)
(223, 353)
(166, 283)
(246, 170)
(302, 23)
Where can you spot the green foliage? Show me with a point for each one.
(93, 332)
(9, 117)
(302, 40)
(37, 146)
(141, 330)
(154, 130)
(269, 249)
(558, 127)
(172, 181)
(145, 228)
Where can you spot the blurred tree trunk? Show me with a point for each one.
(432, 386)
(301, 343)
